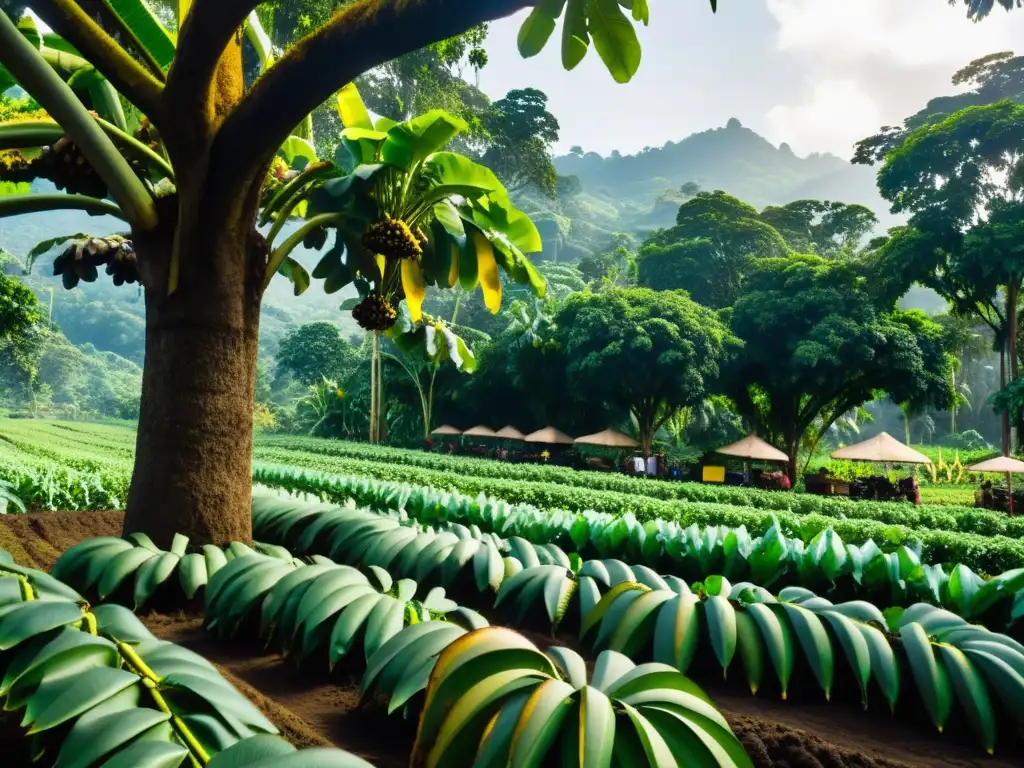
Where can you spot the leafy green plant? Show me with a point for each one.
(324, 609)
(934, 653)
(495, 699)
(93, 685)
(104, 567)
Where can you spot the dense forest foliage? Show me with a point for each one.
(679, 282)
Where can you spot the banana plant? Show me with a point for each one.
(495, 699)
(407, 215)
(939, 657)
(95, 687)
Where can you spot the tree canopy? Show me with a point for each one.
(707, 251)
(816, 345)
(521, 131)
(313, 351)
(648, 353)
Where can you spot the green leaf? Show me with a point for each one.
(614, 38)
(538, 26)
(53, 705)
(575, 38)
(931, 678)
(140, 20)
(34, 618)
(351, 108)
(298, 152)
(221, 697)
(251, 750)
(152, 574)
(409, 143)
(149, 754)
(91, 740)
(192, 574)
(458, 175)
(295, 273)
(120, 568)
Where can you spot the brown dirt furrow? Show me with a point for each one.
(38, 539)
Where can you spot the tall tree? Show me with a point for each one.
(314, 351)
(960, 179)
(817, 346)
(195, 244)
(830, 229)
(648, 353)
(521, 131)
(707, 252)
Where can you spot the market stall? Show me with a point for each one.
(753, 449)
(608, 438)
(883, 449)
(1002, 465)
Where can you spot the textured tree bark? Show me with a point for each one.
(193, 463)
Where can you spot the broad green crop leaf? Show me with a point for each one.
(614, 38)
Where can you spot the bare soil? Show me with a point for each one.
(319, 709)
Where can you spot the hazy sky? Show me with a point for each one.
(819, 74)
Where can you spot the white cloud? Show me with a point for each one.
(906, 32)
(868, 63)
(838, 114)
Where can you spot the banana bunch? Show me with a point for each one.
(495, 699)
(66, 166)
(393, 239)
(92, 686)
(374, 313)
(934, 653)
(81, 260)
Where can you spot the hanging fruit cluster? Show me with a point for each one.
(374, 313)
(392, 239)
(82, 258)
(315, 239)
(66, 166)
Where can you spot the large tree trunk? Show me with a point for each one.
(193, 462)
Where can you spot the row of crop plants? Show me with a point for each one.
(378, 589)
(92, 686)
(988, 555)
(486, 695)
(471, 466)
(564, 495)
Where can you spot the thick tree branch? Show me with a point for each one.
(130, 78)
(208, 28)
(358, 38)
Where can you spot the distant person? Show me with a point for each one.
(786, 484)
(987, 496)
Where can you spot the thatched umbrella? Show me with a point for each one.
(480, 431)
(883, 448)
(447, 430)
(510, 433)
(549, 436)
(608, 438)
(754, 448)
(1003, 465)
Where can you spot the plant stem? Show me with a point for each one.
(15, 205)
(46, 86)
